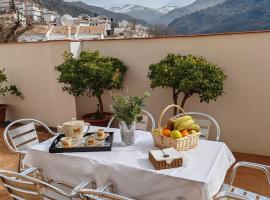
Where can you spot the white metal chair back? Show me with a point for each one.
(228, 191)
(23, 187)
(143, 124)
(23, 137)
(204, 121)
(20, 139)
(18, 187)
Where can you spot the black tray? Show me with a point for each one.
(107, 147)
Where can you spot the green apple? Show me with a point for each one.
(175, 134)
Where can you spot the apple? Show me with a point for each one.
(175, 134)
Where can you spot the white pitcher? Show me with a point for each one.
(74, 128)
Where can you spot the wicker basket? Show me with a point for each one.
(163, 164)
(182, 144)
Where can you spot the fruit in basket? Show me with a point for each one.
(193, 132)
(170, 123)
(179, 121)
(166, 132)
(195, 127)
(184, 133)
(185, 125)
(175, 134)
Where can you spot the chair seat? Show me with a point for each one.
(241, 192)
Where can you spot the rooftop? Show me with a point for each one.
(242, 111)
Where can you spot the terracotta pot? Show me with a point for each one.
(3, 109)
(98, 122)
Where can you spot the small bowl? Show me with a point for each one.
(101, 134)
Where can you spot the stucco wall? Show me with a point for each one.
(31, 67)
(243, 112)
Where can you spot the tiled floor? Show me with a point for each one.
(249, 179)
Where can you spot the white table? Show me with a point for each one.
(200, 178)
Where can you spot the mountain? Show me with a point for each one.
(230, 16)
(138, 12)
(165, 9)
(77, 8)
(179, 12)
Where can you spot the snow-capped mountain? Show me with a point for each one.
(179, 12)
(165, 9)
(142, 12)
(131, 8)
(139, 12)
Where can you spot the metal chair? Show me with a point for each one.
(23, 187)
(89, 194)
(228, 191)
(205, 124)
(143, 124)
(21, 138)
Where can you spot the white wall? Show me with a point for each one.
(243, 111)
(31, 67)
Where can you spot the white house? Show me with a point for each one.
(123, 24)
(85, 20)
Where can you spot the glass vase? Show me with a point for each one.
(127, 133)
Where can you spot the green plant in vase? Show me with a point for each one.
(127, 110)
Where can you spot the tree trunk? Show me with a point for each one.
(184, 100)
(175, 98)
(100, 106)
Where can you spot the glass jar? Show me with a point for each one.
(127, 133)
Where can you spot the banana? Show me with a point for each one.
(195, 127)
(181, 120)
(185, 125)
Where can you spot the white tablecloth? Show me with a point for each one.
(200, 178)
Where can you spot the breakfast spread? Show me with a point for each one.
(90, 140)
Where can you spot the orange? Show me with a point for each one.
(166, 132)
(184, 133)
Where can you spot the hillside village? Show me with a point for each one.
(48, 25)
(90, 22)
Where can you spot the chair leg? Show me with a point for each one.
(21, 166)
(19, 163)
(112, 189)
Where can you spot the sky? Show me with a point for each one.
(147, 3)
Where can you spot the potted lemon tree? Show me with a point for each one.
(91, 74)
(5, 89)
(188, 75)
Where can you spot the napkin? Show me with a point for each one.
(173, 154)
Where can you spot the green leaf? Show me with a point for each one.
(4, 88)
